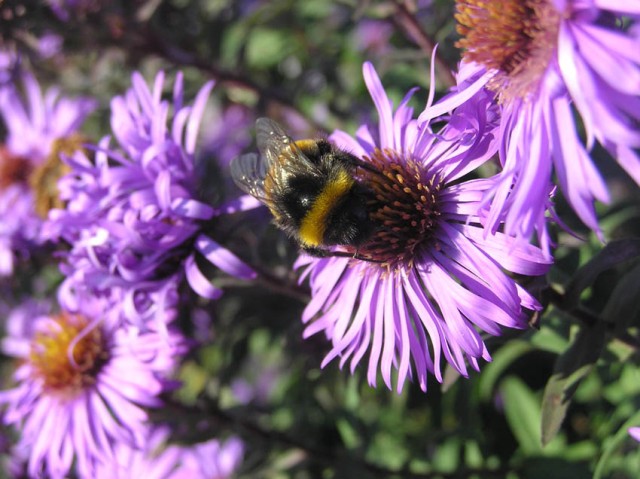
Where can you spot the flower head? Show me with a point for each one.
(83, 384)
(431, 277)
(134, 214)
(543, 59)
(39, 129)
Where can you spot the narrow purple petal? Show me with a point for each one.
(223, 258)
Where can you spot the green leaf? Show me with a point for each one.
(556, 468)
(570, 368)
(623, 307)
(267, 47)
(502, 359)
(611, 255)
(522, 411)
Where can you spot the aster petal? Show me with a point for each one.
(520, 258)
(347, 300)
(614, 56)
(450, 102)
(628, 160)
(437, 281)
(620, 6)
(389, 313)
(364, 335)
(428, 317)
(192, 209)
(583, 87)
(382, 103)
(377, 305)
(198, 281)
(327, 278)
(196, 116)
(223, 258)
(579, 191)
(243, 203)
(405, 344)
(347, 142)
(349, 337)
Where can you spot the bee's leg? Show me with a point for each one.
(358, 163)
(323, 253)
(316, 252)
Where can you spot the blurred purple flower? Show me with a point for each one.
(49, 45)
(39, 128)
(258, 381)
(228, 142)
(158, 460)
(210, 459)
(83, 384)
(435, 275)
(134, 214)
(373, 36)
(634, 432)
(541, 58)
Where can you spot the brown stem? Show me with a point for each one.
(175, 55)
(406, 22)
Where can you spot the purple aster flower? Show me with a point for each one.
(634, 432)
(432, 277)
(544, 59)
(134, 214)
(158, 460)
(84, 384)
(39, 128)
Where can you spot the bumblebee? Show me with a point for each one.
(310, 187)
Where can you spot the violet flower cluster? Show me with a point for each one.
(39, 127)
(130, 229)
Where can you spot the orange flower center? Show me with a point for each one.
(517, 39)
(68, 356)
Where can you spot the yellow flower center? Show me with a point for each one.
(44, 178)
(516, 38)
(68, 356)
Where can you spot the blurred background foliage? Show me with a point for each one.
(556, 400)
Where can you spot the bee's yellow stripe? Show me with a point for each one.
(314, 224)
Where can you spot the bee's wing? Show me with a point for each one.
(278, 149)
(248, 172)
